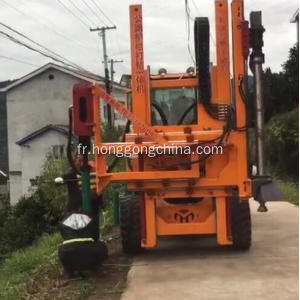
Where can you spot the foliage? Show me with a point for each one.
(56, 195)
(283, 144)
(32, 216)
(4, 208)
(282, 89)
(35, 273)
(290, 190)
(281, 114)
(21, 266)
(291, 72)
(41, 212)
(113, 134)
(110, 134)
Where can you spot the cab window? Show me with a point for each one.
(174, 106)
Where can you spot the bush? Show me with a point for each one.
(109, 134)
(41, 212)
(32, 216)
(290, 190)
(283, 144)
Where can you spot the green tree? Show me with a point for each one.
(281, 113)
(282, 89)
(291, 77)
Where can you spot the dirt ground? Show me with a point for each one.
(110, 281)
(107, 283)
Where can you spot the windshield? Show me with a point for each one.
(176, 106)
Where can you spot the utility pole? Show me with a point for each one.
(106, 72)
(112, 71)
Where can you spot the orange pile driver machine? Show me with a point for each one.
(184, 192)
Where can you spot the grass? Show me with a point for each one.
(290, 190)
(35, 273)
(23, 265)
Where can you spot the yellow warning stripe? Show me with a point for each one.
(78, 240)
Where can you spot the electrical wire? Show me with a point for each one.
(224, 137)
(15, 40)
(18, 60)
(117, 42)
(195, 5)
(241, 89)
(186, 113)
(245, 101)
(117, 158)
(160, 112)
(199, 14)
(102, 12)
(71, 12)
(93, 12)
(188, 17)
(45, 25)
(82, 12)
(40, 45)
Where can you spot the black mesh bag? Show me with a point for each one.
(82, 255)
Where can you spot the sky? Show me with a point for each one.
(52, 23)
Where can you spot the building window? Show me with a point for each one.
(58, 151)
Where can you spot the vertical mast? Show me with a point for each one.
(223, 61)
(138, 79)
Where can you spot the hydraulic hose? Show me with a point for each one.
(116, 159)
(161, 113)
(186, 113)
(164, 121)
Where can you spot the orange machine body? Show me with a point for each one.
(163, 179)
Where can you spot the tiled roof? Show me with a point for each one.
(34, 134)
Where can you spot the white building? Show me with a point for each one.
(37, 118)
(295, 19)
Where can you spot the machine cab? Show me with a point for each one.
(173, 102)
(173, 98)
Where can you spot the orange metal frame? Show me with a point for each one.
(222, 172)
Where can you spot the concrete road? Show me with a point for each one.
(195, 268)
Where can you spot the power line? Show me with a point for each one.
(188, 17)
(38, 44)
(102, 31)
(112, 71)
(192, 19)
(195, 5)
(117, 42)
(45, 25)
(71, 12)
(18, 60)
(17, 41)
(82, 12)
(102, 12)
(13, 39)
(91, 9)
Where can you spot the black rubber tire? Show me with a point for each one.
(130, 223)
(240, 224)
